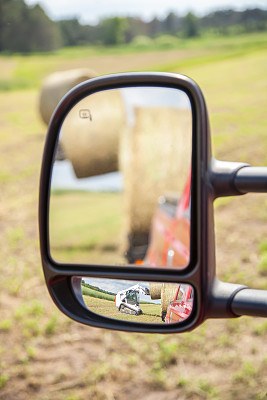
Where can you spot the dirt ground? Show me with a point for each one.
(44, 355)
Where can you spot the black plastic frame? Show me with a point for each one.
(58, 276)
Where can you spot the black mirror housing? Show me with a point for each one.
(209, 179)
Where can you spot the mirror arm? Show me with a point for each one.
(229, 300)
(221, 298)
(250, 302)
(251, 179)
(223, 178)
(235, 179)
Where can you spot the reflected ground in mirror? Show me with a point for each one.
(142, 302)
(120, 179)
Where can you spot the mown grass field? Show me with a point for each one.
(151, 312)
(103, 303)
(87, 227)
(43, 354)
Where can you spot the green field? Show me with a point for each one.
(86, 227)
(151, 312)
(44, 355)
(20, 72)
(103, 303)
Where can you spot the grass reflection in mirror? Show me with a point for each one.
(76, 238)
(136, 301)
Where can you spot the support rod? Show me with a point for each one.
(250, 302)
(251, 179)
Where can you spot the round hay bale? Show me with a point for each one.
(168, 292)
(90, 133)
(56, 85)
(155, 290)
(155, 158)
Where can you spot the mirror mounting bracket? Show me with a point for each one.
(223, 177)
(235, 179)
(221, 299)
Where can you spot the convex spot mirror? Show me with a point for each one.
(118, 199)
(139, 302)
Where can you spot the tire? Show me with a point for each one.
(163, 316)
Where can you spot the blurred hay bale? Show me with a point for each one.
(155, 158)
(90, 133)
(155, 290)
(56, 85)
(168, 292)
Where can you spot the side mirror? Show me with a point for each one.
(126, 207)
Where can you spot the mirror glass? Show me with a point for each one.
(120, 184)
(147, 302)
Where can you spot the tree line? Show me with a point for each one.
(96, 288)
(28, 29)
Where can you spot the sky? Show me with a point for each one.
(114, 286)
(90, 11)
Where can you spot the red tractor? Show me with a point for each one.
(169, 243)
(169, 246)
(181, 306)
